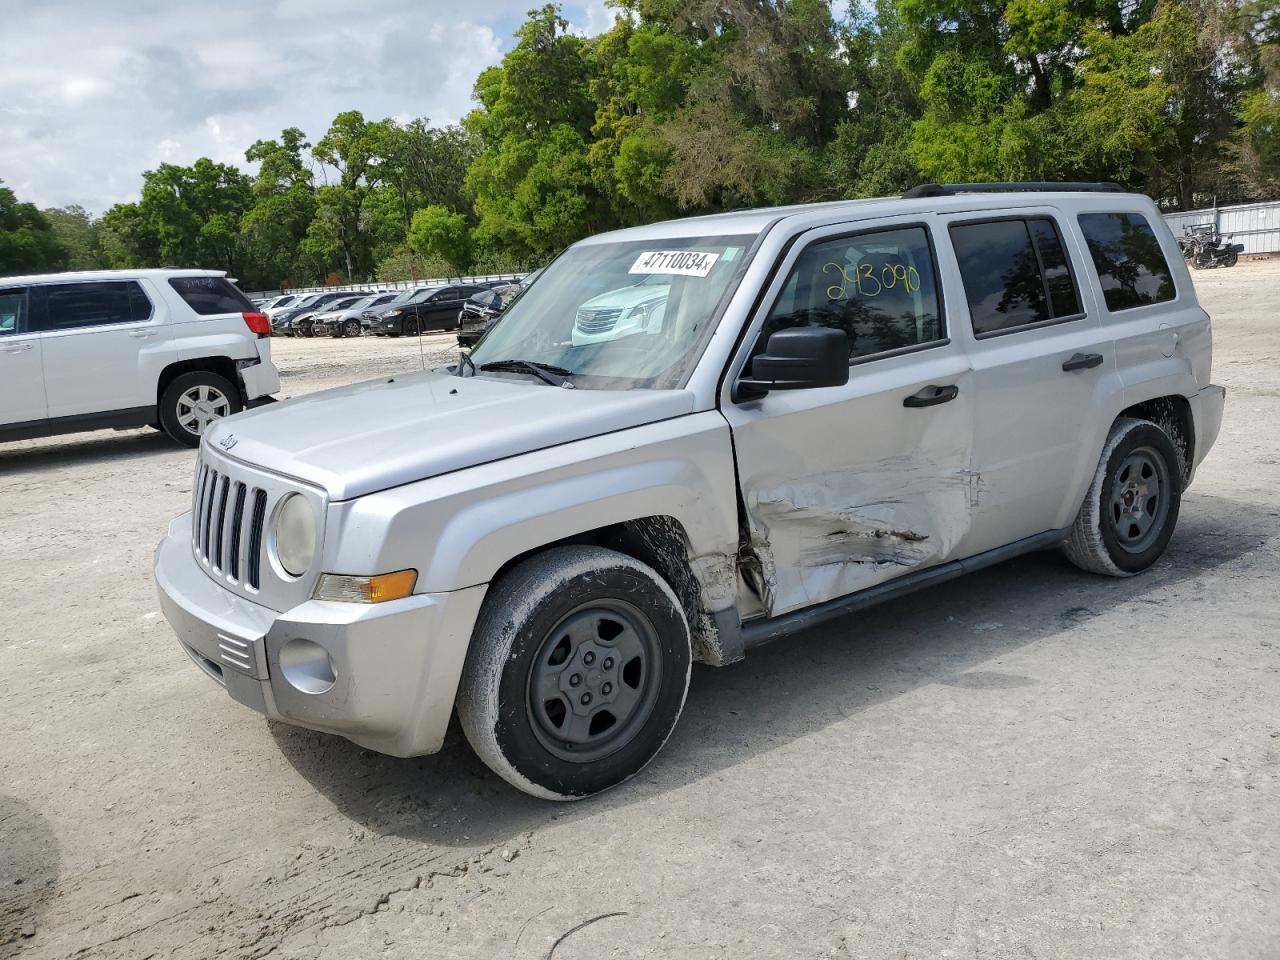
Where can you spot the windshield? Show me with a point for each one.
(620, 315)
(420, 295)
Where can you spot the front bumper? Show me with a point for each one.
(393, 668)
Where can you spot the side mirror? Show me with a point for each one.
(798, 359)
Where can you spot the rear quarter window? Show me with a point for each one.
(210, 295)
(1131, 266)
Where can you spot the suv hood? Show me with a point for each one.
(370, 436)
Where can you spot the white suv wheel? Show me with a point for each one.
(200, 406)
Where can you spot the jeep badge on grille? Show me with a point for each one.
(227, 442)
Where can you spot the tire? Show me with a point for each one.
(410, 327)
(1230, 259)
(349, 329)
(193, 401)
(563, 637)
(1131, 509)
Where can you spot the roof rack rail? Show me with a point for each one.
(951, 189)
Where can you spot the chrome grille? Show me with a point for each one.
(598, 321)
(226, 537)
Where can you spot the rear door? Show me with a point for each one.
(1043, 365)
(22, 399)
(104, 345)
(847, 487)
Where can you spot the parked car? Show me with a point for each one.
(428, 308)
(280, 304)
(297, 322)
(637, 308)
(481, 310)
(173, 349)
(344, 319)
(844, 402)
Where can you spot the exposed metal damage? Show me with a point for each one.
(832, 534)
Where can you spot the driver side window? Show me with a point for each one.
(13, 308)
(880, 288)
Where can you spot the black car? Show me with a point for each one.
(430, 308)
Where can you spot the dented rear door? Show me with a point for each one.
(846, 487)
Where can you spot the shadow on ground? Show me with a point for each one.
(29, 866)
(83, 449)
(787, 690)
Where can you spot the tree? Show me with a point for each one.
(28, 243)
(283, 206)
(437, 232)
(81, 235)
(355, 150)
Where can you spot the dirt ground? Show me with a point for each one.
(1029, 762)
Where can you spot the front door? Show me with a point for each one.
(104, 346)
(847, 487)
(21, 375)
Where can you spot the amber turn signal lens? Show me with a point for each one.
(379, 589)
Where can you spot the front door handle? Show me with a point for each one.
(141, 334)
(1082, 361)
(17, 348)
(932, 395)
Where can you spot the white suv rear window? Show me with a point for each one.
(208, 295)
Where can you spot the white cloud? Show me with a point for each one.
(97, 91)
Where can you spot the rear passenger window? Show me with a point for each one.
(879, 288)
(1131, 266)
(68, 306)
(210, 295)
(13, 310)
(1015, 274)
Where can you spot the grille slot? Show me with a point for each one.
(237, 523)
(219, 558)
(206, 514)
(254, 578)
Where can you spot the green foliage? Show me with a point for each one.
(28, 243)
(691, 106)
(437, 232)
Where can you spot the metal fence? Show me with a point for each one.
(1255, 225)
(384, 287)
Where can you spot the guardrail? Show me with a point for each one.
(1255, 225)
(387, 286)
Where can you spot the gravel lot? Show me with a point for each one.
(1030, 762)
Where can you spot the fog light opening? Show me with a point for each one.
(307, 667)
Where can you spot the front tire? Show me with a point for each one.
(577, 672)
(193, 401)
(350, 329)
(1131, 509)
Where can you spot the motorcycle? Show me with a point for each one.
(1205, 248)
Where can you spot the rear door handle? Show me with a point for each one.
(931, 396)
(17, 348)
(1082, 361)
(141, 334)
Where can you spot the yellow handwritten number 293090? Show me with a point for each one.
(864, 281)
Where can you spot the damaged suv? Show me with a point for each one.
(836, 404)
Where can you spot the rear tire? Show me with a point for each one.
(1131, 509)
(193, 401)
(577, 672)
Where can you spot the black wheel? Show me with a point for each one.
(410, 327)
(577, 672)
(350, 328)
(1230, 259)
(193, 401)
(306, 328)
(1131, 509)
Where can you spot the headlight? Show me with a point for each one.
(641, 311)
(394, 313)
(295, 532)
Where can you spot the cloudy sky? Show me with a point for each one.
(94, 92)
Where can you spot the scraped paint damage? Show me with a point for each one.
(838, 532)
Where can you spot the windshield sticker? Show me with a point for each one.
(684, 263)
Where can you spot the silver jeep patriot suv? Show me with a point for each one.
(686, 439)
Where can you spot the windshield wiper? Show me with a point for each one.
(556, 376)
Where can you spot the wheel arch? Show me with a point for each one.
(662, 543)
(222, 366)
(1172, 414)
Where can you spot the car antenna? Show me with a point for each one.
(421, 356)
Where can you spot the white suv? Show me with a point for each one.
(842, 403)
(176, 349)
